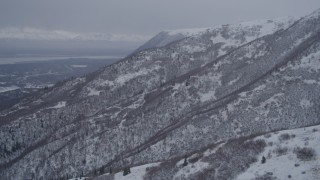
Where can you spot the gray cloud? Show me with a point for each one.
(144, 17)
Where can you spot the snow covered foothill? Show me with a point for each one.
(291, 154)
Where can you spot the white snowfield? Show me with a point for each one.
(79, 178)
(6, 89)
(79, 66)
(281, 157)
(60, 104)
(137, 173)
(93, 92)
(186, 171)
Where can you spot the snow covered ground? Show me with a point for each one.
(186, 171)
(137, 173)
(93, 92)
(283, 160)
(82, 178)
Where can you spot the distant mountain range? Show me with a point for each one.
(41, 34)
(16, 41)
(189, 104)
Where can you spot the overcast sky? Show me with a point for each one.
(144, 17)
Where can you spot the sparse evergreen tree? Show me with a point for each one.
(101, 170)
(185, 163)
(126, 171)
(263, 160)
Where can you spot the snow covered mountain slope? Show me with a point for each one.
(167, 102)
(289, 154)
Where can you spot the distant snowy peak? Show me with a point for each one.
(160, 40)
(262, 27)
(41, 34)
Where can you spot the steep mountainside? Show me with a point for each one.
(161, 103)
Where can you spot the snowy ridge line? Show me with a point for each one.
(266, 27)
(198, 31)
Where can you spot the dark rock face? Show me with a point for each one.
(217, 84)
